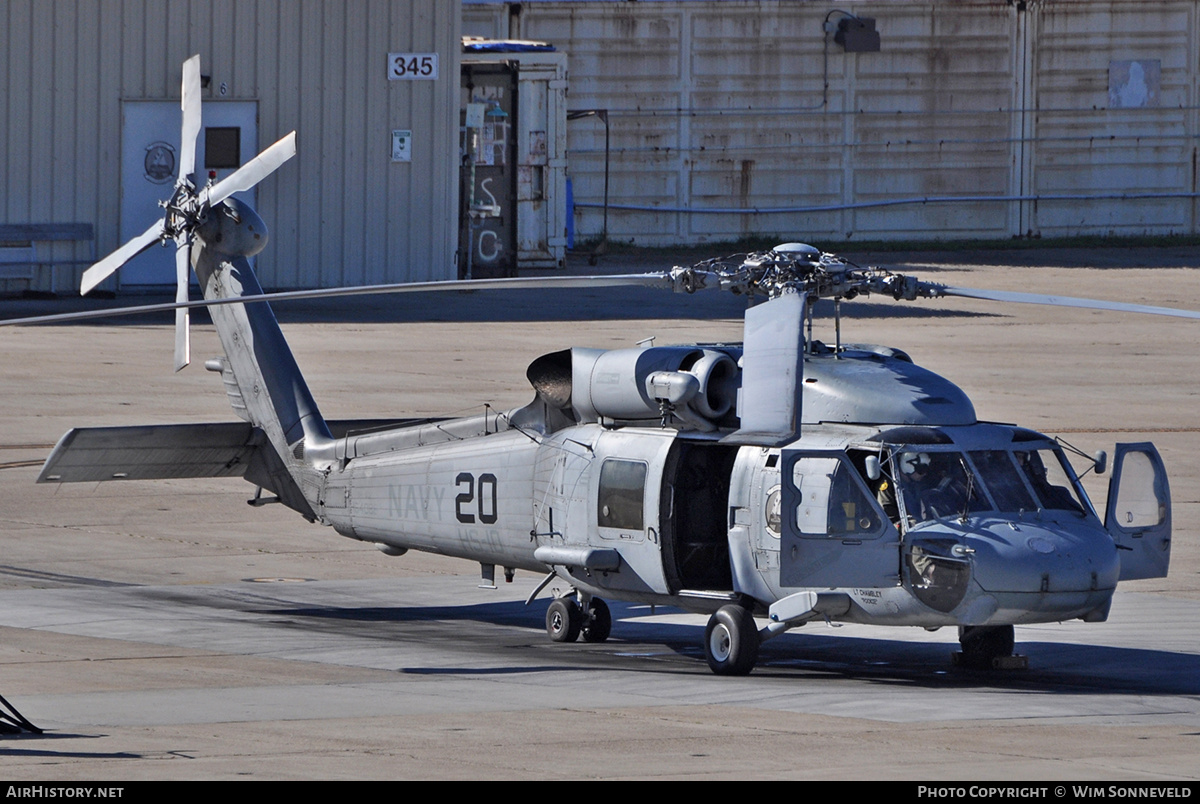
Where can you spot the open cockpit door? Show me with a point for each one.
(834, 534)
(1138, 515)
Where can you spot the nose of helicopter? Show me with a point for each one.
(1044, 557)
(1021, 570)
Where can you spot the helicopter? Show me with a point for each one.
(779, 478)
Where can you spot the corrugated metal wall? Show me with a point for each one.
(340, 213)
(1085, 141)
(978, 118)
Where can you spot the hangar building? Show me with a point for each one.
(90, 116)
(967, 119)
(675, 121)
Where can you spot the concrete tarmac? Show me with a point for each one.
(166, 630)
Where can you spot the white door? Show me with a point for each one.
(150, 167)
(1139, 511)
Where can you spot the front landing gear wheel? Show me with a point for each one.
(983, 645)
(731, 641)
(564, 620)
(598, 622)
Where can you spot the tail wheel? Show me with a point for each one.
(983, 644)
(598, 623)
(564, 620)
(731, 641)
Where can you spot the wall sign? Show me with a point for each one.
(402, 145)
(1134, 84)
(159, 162)
(412, 66)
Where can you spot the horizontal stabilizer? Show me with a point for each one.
(154, 452)
(164, 451)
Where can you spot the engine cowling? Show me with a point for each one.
(635, 384)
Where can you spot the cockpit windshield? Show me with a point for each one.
(932, 483)
(938, 485)
(1050, 479)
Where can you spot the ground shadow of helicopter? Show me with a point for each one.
(656, 646)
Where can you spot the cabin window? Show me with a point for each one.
(622, 495)
(1137, 505)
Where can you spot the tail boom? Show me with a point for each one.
(276, 398)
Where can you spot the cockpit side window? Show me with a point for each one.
(833, 501)
(1136, 500)
(850, 512)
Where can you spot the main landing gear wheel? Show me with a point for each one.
(564, 620)
(597, 624)
(982, 645)
(731, 641)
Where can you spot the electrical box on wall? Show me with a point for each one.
(857, 35)
(513, 113)
(402, 145)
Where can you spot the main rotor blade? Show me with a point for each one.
(254, 171)
(1066, 301)
(102, 270)
(190, 105)
(183, 333)
(661, 281)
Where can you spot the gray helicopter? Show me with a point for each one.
(777, 478)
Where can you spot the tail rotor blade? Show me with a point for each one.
(183, 334)
(254, 171)
(1066, 301)
(190, 104)
(104, 269)
(183, 338)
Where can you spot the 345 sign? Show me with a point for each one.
(412, 66)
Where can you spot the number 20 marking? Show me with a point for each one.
(482, 494)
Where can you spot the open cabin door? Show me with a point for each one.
(834, 534)
(1138, 515)
(627, 489)
(597, 511)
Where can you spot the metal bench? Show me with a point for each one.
(18, 247)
